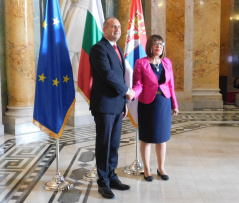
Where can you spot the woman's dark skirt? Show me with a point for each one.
(154, 120)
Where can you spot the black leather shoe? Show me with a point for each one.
(149, 178)
(164, 177)
(119, 186)
(106, 192)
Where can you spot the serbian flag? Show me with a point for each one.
(92, 34)
(134, 49)
(55, 92)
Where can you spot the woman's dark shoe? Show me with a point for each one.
(142, 173)
(164, 177)
(149, 178)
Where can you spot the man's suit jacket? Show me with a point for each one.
(145, 82)
(108, 88)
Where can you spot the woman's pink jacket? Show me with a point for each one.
(145, 82)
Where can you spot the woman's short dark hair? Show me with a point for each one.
(149, 45)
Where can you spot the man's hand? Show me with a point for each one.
(126, 111)
(130, 94)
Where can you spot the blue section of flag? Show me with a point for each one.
(55, 92)
(137, 53)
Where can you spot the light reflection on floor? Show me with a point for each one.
(202, 162)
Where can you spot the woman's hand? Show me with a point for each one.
(175, 112)
(130, 94)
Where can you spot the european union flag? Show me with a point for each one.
(55, 92)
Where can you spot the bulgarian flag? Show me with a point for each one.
(92, 34)
(134, 49)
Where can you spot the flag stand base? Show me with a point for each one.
(58, 182)
(134, 169)
(91, 176)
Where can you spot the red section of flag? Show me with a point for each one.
(84, 75)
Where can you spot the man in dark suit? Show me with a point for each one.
(108, 105)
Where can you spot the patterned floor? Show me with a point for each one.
(26, 161)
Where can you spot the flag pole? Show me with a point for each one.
(91, 175)
(58, 182)
(90, 38)
(134, 49)
(135, 168)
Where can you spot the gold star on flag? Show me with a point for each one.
(55, 82)
(44, 24)
(66, 79)
(56, 21)
(42, 77)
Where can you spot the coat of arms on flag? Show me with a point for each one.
(136, 29)
(135, 48)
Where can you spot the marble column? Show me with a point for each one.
(124, 11)
(110, 8)
(174, 22)
(175, 39)
(74, 16)
(206, 54)
(1, 125)
(179, 46)
(20, 66)
(158, 16)
(2, 64)
(147, 17)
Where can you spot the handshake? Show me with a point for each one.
(130, 94)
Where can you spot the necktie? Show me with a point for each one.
(117, 51)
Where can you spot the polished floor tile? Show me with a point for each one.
(202, 162)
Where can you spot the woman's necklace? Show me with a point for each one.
(156, 64)
(157, 67)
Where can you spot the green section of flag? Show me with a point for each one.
(92, 33)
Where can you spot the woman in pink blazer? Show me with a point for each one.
(153, 83)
